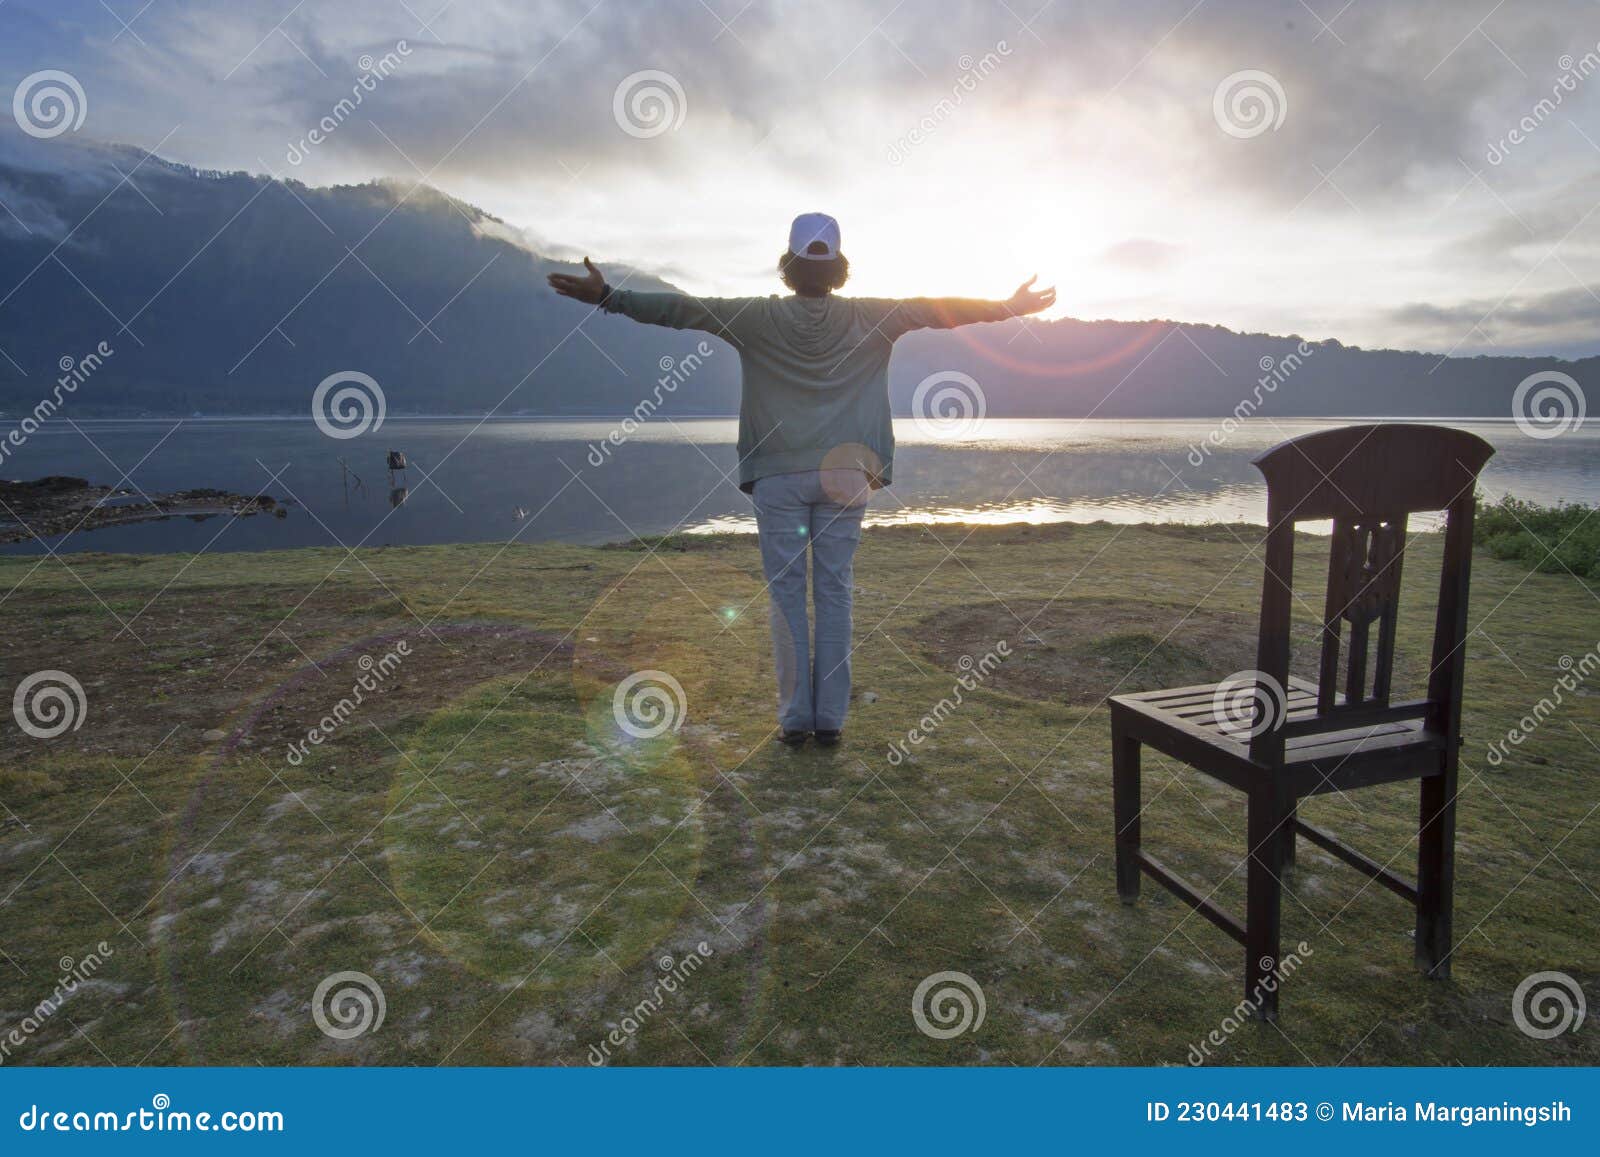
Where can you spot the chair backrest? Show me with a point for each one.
(1368, 480)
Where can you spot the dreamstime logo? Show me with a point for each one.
(1551, 411)
(155, 1119)
(1248, 703)
(49, 103)
(74, 373)
(372, 72)
(648, 704)
(1573, 73)
(74, 973)
(674, 372)
(1274, 373)
(675, 974)
(948, 405)
(1547, 1004)
(1248, 103)
(649, 103)
(373, 674)
(48, 704)
(351, 411)
(348, 1004)
(1274, 973)
(1574, 674)
(973, 673)
(947, 1004)
(973, 72)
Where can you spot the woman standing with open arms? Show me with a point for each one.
(815, 437)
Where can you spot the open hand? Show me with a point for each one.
(587, 289)
(1029, 300)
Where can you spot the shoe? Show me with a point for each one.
(829, 738)
(791, 738)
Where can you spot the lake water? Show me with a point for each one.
(541, 480)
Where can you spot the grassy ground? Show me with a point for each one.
(515, 871)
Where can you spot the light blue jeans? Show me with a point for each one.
(822, 508)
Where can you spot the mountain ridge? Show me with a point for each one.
(237, 293)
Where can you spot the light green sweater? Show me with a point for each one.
(815, 369)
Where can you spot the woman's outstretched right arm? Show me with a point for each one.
(676, 310)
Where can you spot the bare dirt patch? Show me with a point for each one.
(1081, 650)
(432, 669)
(250, 668)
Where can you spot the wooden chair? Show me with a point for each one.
(1278, 737)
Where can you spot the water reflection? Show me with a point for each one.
(1227, 504)
(678, 476)
(348, 478)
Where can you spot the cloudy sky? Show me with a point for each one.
(1422, 175)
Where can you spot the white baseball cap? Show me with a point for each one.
(811, 229)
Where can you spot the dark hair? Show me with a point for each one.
(810, 277)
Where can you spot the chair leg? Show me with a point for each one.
(1289, 837)
(1269, 808)
(1125, 805)
(1436, 871)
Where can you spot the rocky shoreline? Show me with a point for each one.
(60, 504)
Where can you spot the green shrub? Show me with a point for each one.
(1558, 539)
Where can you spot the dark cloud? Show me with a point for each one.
(1557, 321)
(1387, 109)
(492, 89)
(1568, 215)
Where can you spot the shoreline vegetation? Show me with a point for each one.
(1563, 538)
(1552, 539)
(478, 836)
(62, 504)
